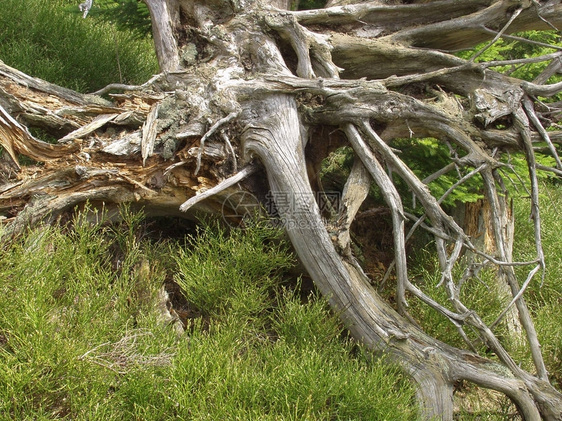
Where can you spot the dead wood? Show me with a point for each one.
(246, 85)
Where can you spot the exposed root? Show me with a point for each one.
(312, 50)
(223, 185)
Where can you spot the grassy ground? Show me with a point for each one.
(543, 296)
(81, 335)
(49, 39)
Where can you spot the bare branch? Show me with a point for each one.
(211, 132)
(538, 59)
(525, 40)
(122, 87)
(394, 202)
(542, 90)
(516, 13)
(530, 276)
(529, 109)
(223, 185)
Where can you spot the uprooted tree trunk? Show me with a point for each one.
(244, 88)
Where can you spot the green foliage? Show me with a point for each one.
(234, 372)
(128, 15)
(428, 155)
(43, 39)
(506, 49)
(81, 336)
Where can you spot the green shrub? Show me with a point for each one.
(81, 338)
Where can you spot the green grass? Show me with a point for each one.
(81, 336)
(44, 38)
(543, 296)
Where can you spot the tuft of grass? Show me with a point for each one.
(44, 39)
(61, 297)
(82, 338)
(231, 273)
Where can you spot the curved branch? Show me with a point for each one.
(122, 87)
(392, 198)
(542, 90)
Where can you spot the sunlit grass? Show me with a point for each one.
(81, 335)
(45, 39)
(543, 296)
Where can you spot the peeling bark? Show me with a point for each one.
(244, 87)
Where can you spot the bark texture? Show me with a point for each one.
(249, 89)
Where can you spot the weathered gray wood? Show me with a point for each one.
(242, 81)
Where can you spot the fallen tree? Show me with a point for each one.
(250, 90)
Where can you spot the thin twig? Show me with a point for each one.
(209, 133)
(550, 169)
(528, 41)
(530, 276)
(449, 167)
(223, 185)
(529, 60)
(395, 81)
(499, 34)
(461, 181)
(122, 87)
(529, 109)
